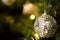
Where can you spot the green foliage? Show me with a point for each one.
(22, 22)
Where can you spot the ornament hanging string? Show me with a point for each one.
(45, 6)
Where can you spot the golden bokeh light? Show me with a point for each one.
(32, 17)
(9, 19)
(27, 7)
(8, 2)
(36, 36)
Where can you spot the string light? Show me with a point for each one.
(27, 7)
(8, 2)
(36, 36)
(32, 17)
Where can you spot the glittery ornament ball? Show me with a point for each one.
(45, 26)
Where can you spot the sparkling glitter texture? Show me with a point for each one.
(45, 25)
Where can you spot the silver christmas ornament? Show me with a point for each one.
(45, 25)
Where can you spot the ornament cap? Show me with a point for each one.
(45, 12)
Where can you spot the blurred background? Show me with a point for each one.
(17, 17)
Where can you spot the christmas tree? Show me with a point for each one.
(17, 18)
